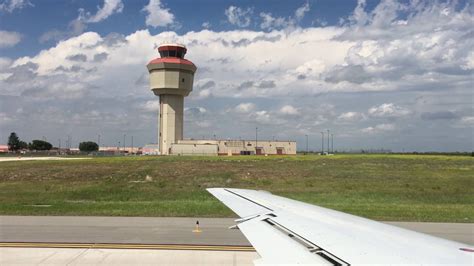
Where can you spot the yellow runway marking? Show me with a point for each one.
(125, 246)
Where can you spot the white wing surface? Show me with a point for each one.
(285, 231)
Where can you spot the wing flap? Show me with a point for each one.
(276, 247)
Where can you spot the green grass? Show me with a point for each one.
(382, 187)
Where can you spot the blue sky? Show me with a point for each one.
(379, 74)
(39, 17)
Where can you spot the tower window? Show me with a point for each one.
(182, 80)
(164, 54)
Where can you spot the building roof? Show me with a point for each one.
(172, 44)
(172, 60)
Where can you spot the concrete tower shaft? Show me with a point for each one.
(171, 78)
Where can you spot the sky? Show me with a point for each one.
(378, 74)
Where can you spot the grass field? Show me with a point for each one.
(382, 187)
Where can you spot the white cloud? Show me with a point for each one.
(195, 110)
(151, 106)
(109, 8)
(79, 25)
(388, 110)
(379, 128)
(158, 15)
(11, 5)
(350, 117)
(270, 22)
(9, 38)
(467, 121)
(5, 62)
(359, 16)
(206, 25)
(5, 119)
(301, 11)
(244, 108)
(262, 117)
(239, 16)
(289, 110)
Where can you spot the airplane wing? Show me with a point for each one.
(285, 231)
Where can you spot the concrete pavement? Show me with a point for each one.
(164, 230)
(75, 256)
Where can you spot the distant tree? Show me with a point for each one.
(40, 145)
(13, 142)
(23, 145)
(88, 146)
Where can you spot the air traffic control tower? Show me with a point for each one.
(171, 78)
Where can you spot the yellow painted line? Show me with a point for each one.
(126, 246)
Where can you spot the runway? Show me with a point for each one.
(165, 230)
(123, 230)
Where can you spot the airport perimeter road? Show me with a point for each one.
(162, 230)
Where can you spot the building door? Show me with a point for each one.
(279, 151)
(258, 151)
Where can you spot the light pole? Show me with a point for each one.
(124, 142)
(59, 146)
(306, 144)
(332, 143)
(256, 139)
(132, 144)
(328, 141)
(322, 142)
(98, 141)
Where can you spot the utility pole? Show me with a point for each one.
(132, 144)
(59, 146)
(124, 142)
(328, 142)
(322, 142)
(98, 141)
(69, 140)
(306, 144)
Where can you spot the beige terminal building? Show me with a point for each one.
(171, 78)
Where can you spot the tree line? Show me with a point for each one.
(15, 144)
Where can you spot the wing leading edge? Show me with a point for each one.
(285, 231)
